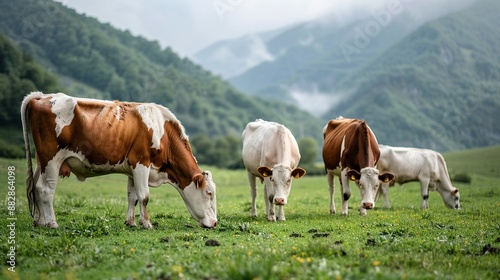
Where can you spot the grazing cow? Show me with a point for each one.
(90, 138)
(271, 153)
(426, 166)
(350, 151)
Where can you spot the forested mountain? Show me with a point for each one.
(97, 60)
(439, 87)
(419, 79)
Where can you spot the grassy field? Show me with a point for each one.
(403, 242)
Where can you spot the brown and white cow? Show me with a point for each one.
(90, 138)
(350, 151)
(270, 153)
(426, 166)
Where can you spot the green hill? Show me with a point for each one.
(97, 60)
(482, 161)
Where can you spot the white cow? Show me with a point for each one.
(270, 152)
(426, 166)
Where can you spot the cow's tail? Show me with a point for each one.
(30, 180)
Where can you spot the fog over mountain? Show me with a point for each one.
(232, 57)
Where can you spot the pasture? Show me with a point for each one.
(403, 242)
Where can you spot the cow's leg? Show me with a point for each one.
(346, 191)
(281, 213)
(132, 202)
(424, 190)
(253, 193)
(44, 194)
(384, 190)
(141, 178)
(38, 215)
(38, 218)
(269, 198)
(331, 185)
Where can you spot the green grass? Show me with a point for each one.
(403, 242)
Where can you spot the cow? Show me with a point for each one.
(350, 151)
(270, 153)
(88, 138)
(423, 165)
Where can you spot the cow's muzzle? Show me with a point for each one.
(367, 205)
(211, 224)
(279, 201)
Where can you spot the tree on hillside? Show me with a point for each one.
(223, 151)
(308, 150)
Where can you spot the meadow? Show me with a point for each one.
(403, 242)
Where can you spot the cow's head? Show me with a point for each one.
(368, 181)
(200, 199)
(281, 179)
(451, 198)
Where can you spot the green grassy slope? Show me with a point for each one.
(482, 161)
(403, 242)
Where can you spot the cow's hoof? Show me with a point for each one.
(131, 223)
(271, 219)
(146, 224)
(52, 225)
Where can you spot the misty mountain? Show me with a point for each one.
(313, 58)
(438, 87)
(229, 58)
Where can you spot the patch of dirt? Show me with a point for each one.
(212, 242)
(316, 235)
(488, 249)
(164, 239)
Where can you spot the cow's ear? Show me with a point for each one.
(265, 171)
(386, 177)
(199, 180)
(298, 173)
(353, 175)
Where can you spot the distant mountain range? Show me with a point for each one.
(421, 74)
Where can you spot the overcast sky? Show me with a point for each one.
(190, 25)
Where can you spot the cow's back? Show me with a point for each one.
(409, 164)
(103, 132)
(267, 144)
(333, 134)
